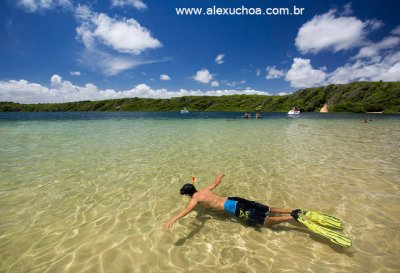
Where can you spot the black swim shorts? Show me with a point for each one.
(252, 212)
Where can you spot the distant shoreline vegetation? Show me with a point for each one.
(357, 97)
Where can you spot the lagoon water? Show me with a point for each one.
(88, 192)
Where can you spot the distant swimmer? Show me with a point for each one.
(256, 213)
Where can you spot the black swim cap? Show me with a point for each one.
(188, 189)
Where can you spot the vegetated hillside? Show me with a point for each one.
(353, 97)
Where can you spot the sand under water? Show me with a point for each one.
(90, 192)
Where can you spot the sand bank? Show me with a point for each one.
(324, 108)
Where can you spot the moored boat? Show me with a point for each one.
(294, 111)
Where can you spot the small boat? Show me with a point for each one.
(294, 111)
(184, 111)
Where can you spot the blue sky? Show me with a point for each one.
(68, 50)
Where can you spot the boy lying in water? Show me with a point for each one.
(252, 212)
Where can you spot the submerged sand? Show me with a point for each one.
(92, 195)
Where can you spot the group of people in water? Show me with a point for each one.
(247, 115)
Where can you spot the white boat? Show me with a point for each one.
(294, 111)
(184, 111)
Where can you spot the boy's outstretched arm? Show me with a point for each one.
(216, 182)
(168, 224)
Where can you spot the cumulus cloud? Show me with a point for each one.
(203, 76)
(60, 90)
(41, 5)
(165, 77)
(124, 3)
(374, 62)
(124, 35)
(215, 83)
(329, 31)
(374, 50)
(220, 59)
(56, 80)
(273, 73)
(388, 69)
(112, 45)
(302, 74)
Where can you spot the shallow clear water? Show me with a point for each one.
(88, 192)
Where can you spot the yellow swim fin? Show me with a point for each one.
(322, 219)
(332, 235)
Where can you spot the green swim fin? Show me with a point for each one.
(332, 235)
(322, 219)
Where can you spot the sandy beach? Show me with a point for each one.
(324, 109)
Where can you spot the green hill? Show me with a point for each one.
(353, 97)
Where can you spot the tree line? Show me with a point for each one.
(354, 97)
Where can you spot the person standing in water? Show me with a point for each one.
(252, 212)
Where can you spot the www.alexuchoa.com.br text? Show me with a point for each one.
(239, 11)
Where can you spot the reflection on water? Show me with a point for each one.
(90, 195)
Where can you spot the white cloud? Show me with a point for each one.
(220, 59)
(273, 73)
(203, 76)
(391, 74)
(75, 73)
(363, 71)
(302, 74)
(112, 45)
(282, 94)
(373, 50)
(374, 62)
(165, 77)
(258, 72)
(234, 83)
(371, 25)
(41, 5)
(109, 64)
(328, 31)
(83, 13)
(396, 31)
(347, 9)
(126, 35)
(215, 83)
(23, 91)
(134, 3)
(391, 58)
(55, 80)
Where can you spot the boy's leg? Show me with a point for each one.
(273, 220)
(279, 210)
